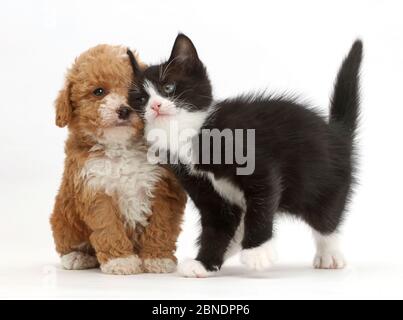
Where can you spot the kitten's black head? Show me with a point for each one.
(182, 79)
(185, 73)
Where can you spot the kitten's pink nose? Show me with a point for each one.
(156, 106)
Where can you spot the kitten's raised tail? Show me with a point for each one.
(346, 97)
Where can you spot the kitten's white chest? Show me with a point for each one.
(124, 173)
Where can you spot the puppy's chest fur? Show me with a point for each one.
(123, 172)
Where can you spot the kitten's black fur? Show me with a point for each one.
(304, 164)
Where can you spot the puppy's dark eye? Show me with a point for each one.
(99, 92)
(169, 88)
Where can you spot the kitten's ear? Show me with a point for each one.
(137, 66)
(184, 50)
(64, 109)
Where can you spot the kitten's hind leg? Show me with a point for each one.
(328, 253)
(325, 220)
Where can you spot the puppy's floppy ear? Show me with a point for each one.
(64, 109)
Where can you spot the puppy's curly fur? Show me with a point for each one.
(113, 209)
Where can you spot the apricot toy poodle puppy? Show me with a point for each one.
(114, 209)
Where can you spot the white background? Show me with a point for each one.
(247, 45)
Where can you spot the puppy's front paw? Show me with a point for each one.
(329, 260)
(79, 261)
(123, 266)
(192, 269)
(259, 258)
(159, 265)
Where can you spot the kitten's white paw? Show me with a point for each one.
(329, 260)
(192, 269)
(79, 261)
(159, 265)
(123, 266)
(259, 258)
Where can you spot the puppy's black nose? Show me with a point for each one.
(124, 112)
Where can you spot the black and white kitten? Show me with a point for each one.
(303, 165)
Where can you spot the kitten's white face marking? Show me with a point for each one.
(169, 127)
(158, 107)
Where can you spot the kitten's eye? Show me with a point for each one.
(141, 100)
(169, 88)
(99, 92)
(138, 99)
